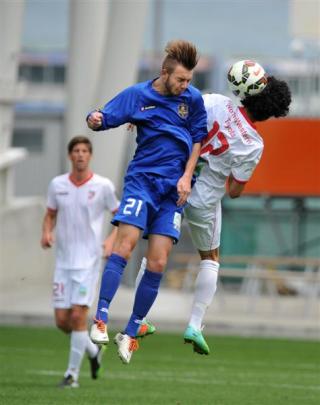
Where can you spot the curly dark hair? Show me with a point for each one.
(273, 101)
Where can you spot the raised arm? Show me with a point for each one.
(109, 241)
(116, 112)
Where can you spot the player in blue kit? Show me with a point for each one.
(171, 122)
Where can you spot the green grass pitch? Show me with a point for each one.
(239, 371)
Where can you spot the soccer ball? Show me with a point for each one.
(246, 78)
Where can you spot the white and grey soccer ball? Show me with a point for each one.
(246, 78)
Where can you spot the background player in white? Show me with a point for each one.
(76, 207)
(229, 154)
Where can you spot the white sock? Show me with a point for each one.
(91, 348)
(141, 272)
(205, 288)
(78, 343)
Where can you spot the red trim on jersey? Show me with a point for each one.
(245, 115)
(80, 183)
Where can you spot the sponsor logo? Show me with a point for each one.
(104, 310)
(148, 107)
(236, 120)
(62, 193)
(183, 110)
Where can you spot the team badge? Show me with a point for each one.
(183, 110)
(91, 194)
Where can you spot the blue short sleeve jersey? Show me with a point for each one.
(167, 126)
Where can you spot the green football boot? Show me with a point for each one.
(195, 337)
(146, 328)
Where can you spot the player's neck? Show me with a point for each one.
(80, 176)
(159, 87)
(249, 115)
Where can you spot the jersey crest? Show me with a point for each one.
(183, 110)
(91, 194)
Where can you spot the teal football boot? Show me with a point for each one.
(195, 337)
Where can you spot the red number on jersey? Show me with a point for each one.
(208, 147)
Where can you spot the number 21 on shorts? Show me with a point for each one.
(132, 207)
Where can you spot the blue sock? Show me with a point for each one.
(109, 284)
(146, 294)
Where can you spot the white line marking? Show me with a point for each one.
(183, 378)
(199, 360)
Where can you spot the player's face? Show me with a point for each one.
(177, 81)
(80, 157)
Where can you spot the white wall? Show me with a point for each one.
(25, 269)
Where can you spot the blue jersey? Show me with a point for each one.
(167, 126)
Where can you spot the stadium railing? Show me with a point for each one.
(257, 276)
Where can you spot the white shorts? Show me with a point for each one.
(205, 226)
(74, 287)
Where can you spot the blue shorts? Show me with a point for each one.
(149, 202)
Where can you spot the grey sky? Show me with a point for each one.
(218, 27)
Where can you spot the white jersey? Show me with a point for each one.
(232, 146)
(80, 218)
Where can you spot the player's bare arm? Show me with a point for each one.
(109, 242)
(48, 225)
(184, 183)
(235, 188)
(94, 120)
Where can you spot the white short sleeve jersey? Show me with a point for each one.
(232, 146)
(80, 218)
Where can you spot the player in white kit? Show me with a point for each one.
(76, 206)
(229, 155)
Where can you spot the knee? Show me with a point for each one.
(157, 265)
(75, 319)
(78, 320)
(124, 248)
(210, 255)
(63, 324)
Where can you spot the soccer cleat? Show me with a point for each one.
(195, 337)
(68, 382)
(96, 363)
(98, 333)
(146, 328)
(126, 346)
